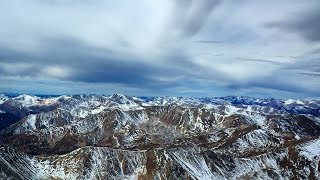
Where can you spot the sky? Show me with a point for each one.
(197, 48)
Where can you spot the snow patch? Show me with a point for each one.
(193, 163)
(232, 110)
(28, 125)
(291, 101)
(27, 100)
(258, 119)
(311, 150)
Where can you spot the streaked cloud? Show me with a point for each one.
(161, 47)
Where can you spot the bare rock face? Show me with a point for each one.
(121, 137)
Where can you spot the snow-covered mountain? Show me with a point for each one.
(122, 137)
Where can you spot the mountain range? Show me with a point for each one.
(123, 137)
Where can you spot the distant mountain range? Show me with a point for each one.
(122, 137)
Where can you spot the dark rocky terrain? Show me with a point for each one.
(121, 137)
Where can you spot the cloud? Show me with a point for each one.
(190, 15)
(306, 24)
(208, 41)
(160, 47)
(55, 72)
(20, 69)
(310, 74)
(69, 59)
(261, 61)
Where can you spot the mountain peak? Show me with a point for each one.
(118, 95)
(27, 100)
(121, 99)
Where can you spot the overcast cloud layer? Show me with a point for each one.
(161, 47)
